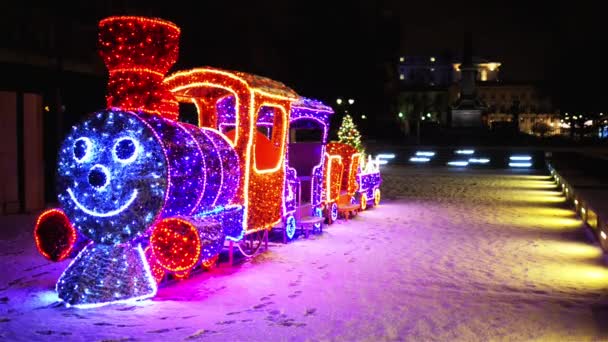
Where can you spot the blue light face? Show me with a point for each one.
(112, 176)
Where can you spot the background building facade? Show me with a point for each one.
(429, 85)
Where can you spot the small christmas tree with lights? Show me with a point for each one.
(348, 133)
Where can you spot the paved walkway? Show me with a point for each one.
(450, 255)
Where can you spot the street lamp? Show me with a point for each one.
(400, 115)
(351, 101)
(339, 101)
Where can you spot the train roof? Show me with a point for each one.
(312, 105)
(182, 80)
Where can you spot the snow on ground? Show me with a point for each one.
(449, 255)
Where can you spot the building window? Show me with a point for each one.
(484, 75)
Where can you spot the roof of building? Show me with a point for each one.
(439, 60)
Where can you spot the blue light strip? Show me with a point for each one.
(526, 158)
(519, 164)
(458, 163)
(479, 160)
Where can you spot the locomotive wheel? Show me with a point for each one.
(319, 226)
(251, 243)
(377, 197)
(290, 227)
(207, 265)
(332, 213)
(182, 275)
(363, 202)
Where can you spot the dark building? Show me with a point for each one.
(466, 92)
(52, 76)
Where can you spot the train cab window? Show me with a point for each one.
(269, 138)
(188, 113)
(228, 130)
(226, 113)
(305, 131)
(266, 130)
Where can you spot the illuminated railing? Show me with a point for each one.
(593, 218)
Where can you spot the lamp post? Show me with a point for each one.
(345, 104)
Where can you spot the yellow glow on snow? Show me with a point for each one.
(577, 274)
(550, 211)
(535, 208)
(554, 249)
(532, 221)
(540, 198)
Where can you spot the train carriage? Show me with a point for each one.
(369, 181)
(304, 156)
(348, 185)
(354, 182)
(309, 127)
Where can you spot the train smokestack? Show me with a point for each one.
(138, 52)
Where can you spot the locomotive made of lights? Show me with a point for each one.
(143, 195)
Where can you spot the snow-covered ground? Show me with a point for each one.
(449, 255)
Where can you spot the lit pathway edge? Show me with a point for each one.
(590, 203)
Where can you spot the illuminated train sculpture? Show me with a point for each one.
(143, 195)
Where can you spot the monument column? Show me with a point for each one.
(467, 112)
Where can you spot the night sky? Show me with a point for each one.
(332, 48)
